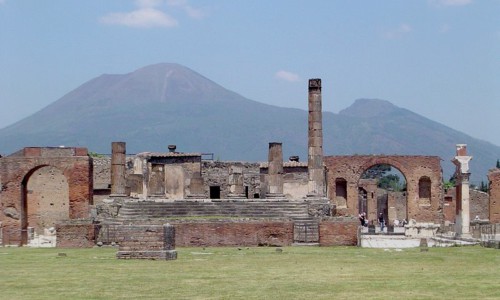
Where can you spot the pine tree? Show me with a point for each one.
(498, 163)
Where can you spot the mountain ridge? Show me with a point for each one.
(168, 103)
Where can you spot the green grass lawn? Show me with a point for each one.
(253, 273)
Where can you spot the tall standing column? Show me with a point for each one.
(462, 219)
(316, 184)
(275, 172)
(118, 158)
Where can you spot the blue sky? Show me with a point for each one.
(438, 58)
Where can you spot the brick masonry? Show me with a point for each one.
(17, 169)
(261, 233)
(494, 180)
(75, 235)
(338, 232)
(414, 168)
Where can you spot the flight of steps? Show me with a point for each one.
(131, 211)
(306, 228)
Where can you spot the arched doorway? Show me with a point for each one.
(45, 201)
(382, 189)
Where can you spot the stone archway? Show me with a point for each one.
(17, 171)
(45, 200)
(413, 168)
(382, 189)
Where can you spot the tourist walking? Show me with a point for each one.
(381, 221)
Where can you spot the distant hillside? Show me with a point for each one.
(170, 104)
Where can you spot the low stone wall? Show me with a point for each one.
(146, 242)
(75, 235)
(222, 233)
(214, 234)
(338, 232)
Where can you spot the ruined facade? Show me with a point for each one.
(43, 186)
(423, 179)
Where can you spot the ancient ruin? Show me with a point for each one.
(152, 201)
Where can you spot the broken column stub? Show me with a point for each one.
(275, 172)
(316, 181)
(462, 219)
(236, 185)
(118, 160)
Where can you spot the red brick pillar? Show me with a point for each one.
(494, 191)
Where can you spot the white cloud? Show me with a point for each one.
(145, 17)
(450, 2)
(288, 76)
(149, 14)
(192, 12)
(398, 32)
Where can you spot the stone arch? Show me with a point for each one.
(386, 204)
(411, 166)
(16, 171)
(45, 198)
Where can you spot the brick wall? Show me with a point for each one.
(263, 233)
(75, 235)
(140, 237)
(414, 168)
(338, 232)
(494, 178)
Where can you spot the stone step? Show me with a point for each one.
(135, 210)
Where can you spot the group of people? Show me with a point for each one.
(381, 221)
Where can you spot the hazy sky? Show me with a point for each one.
(438, 58)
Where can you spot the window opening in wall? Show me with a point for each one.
(256, 196)
(246, 191)
(424, 191)
(341, 192)
(215, 192)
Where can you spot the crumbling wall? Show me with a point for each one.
(75, 235)
(295, 179)
(216, 173)
(479, 205)
(15, 172)
(414, 168)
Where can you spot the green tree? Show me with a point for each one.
(391, 182)
(483, 187)
(498, 163)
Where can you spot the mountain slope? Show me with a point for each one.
(170, 104)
